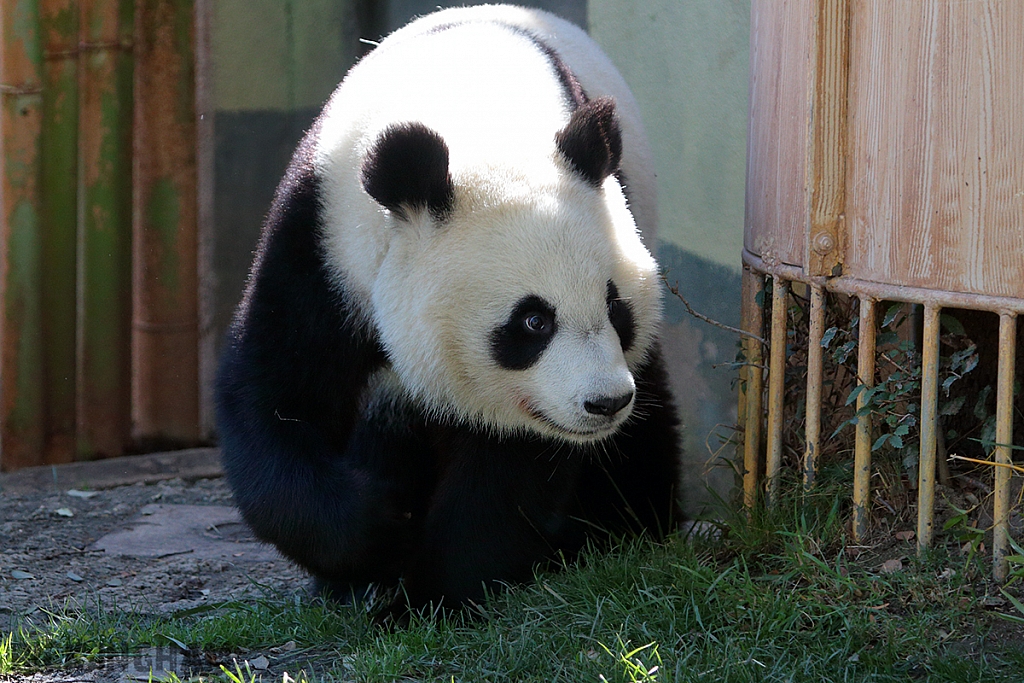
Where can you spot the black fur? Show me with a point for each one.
(518, 343)
(574, 94)
(621, 316)
(592, 141)
(407, 168)
(360, 498)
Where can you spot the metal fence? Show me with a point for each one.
(754, 414)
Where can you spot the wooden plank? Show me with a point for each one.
(826, 143)
(21, 398)
(936, 167)
(782, 56)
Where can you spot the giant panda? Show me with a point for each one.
(444, 369)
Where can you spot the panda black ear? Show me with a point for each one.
(407, 168)
(592, 141)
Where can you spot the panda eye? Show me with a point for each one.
(536, 323)
(520, 341)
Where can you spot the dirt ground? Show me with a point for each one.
(152, 547)
(56, 548)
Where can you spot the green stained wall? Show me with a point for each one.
(687, 62)
(280, 54)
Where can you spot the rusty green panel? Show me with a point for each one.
(165, 342)
(105, 213)
(21, 420)
(59, 166)
(163, 214)
(184, 52)
(23, 426)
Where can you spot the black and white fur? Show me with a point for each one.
(444, 369)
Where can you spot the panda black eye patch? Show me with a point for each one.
(621, 317)
(521, 340)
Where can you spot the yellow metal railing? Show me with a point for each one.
(753, 415)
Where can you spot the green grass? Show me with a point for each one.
(776, 600)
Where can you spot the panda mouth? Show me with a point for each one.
(536, 413)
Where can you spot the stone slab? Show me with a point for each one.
(198, 531)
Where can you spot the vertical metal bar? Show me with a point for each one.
(776, 386)
(1004, 439)
(929, 423)
(862, 446)
(744, 370)
(59, 22)
(165, 344)
(812, 432)
(104, 238)
(21, 364)
(753, 322)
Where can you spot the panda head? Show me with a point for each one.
(515, 297)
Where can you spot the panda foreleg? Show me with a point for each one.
(310, 473)
(498, 508)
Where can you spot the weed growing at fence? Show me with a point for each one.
(892, 403)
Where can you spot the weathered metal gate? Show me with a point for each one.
(886, 162)
(98, 325)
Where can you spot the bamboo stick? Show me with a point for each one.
(776, 386)
(753, 321)
(812, 432)
(929, 423)
(1004, 439)
(862, 444)
(21, 363)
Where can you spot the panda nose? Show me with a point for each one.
(607, 405)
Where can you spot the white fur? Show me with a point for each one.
(523, 223)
